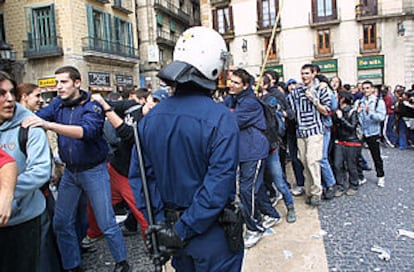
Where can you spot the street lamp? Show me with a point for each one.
(6, 53)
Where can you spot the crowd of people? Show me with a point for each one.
(200, 158)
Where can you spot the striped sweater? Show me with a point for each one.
(308, 118)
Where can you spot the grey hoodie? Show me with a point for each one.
(33, 171)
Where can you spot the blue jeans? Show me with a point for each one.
(296, 163)
(95, 183)
(402, 134)
(389, 134)
(328, 178)
(275, 169)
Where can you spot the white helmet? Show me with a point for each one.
(203, 48)
(199, 56)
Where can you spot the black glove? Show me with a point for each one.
(168, 237)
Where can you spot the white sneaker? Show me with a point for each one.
(251, 238)
(362, 181)
(88, 241)
(381, 182)
(297, 190)
(269, 221)
(276, 199)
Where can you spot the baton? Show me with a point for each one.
(156, 256)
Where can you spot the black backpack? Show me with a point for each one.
(272, 131)
(23, 137)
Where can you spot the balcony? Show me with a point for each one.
(265, 27)
(216, 3)
(320, 21)
(122, 8)
(370, 48)
(321, 53)
(166, 38)
(43, 48)
(103, 1)
(102, 49)
(172, 10)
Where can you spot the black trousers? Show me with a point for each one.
(373, 143)
(346, 158)
(20, 247)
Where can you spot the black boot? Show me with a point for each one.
(121, 267)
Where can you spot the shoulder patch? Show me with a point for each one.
(97, 109)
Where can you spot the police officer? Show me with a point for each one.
(190, 152)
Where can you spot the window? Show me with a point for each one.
(324, 41)
(223, 20)
(324, 10)
(123, 36)
(99, 29)
(42, 33)
(370, 36)
(273, 52)
(267, 12)
(369, 7)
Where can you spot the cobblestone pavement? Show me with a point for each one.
(354, 224)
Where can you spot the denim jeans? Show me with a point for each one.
(251, 179)
(328, 177)
(402, 134)
(389, 133)
(296, 163)
(274, 167)
(95, 183)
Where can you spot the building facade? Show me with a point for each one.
(97, 36)
(356, 40)
(160, 24)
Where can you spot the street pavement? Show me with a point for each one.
(337, 236)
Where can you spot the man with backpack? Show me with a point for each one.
(273, 171)
(253, 150)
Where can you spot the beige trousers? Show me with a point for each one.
(310, 154)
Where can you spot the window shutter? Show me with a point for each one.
(231, 18)
(53, 39)
(259, 14)
(89, 12)
(215, 25)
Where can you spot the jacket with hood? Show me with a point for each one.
(91, 149)
(251, 120)
(33, 170)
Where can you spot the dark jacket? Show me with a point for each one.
(85, 153)
(190, 149)
(346, 126)
(250, 118)
(121, 156)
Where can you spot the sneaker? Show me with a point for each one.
(291, 215)
(329, 193)
(298, 190)
(269, 221)
(351, 192)
(126, 231)
(339, 193)
(381, 182)
(362, 181)
(88, 241)
(315, 201)
(122, 267)
(276, 199)
(251, 238)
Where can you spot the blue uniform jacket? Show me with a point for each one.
(250, 118)
(85, 153)
(190, 148)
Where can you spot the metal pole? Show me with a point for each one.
(156, 257)
(269, 46)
